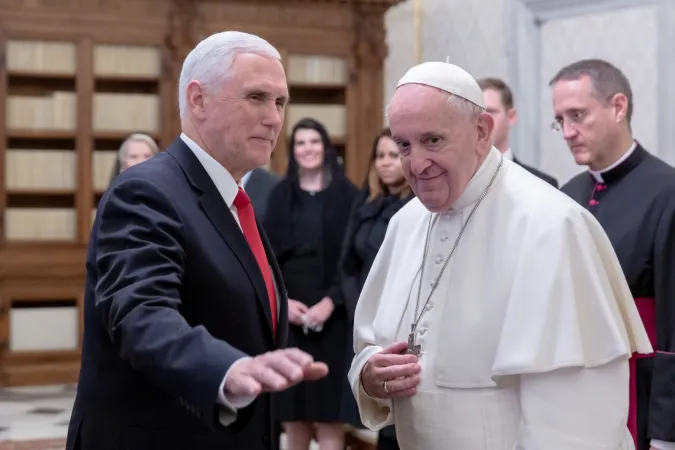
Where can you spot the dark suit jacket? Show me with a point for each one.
(258, 187)
(547, 178)
(173, 297)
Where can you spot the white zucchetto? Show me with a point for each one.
(446, 77)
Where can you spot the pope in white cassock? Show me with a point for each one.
(496, 315)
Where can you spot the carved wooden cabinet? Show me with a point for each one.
(78, 76)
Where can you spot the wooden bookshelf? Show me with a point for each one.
(62, 130)
(76, 78)
(318, 86)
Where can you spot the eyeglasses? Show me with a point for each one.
(575, 119)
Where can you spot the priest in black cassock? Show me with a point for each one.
(632, 194)
(498, 99)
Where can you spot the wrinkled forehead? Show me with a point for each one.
(416, 98)
(416, 109)
(573, 94)
(251, 71)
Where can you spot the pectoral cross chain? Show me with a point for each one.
(412, 348)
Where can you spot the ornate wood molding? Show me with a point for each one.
(370, 48)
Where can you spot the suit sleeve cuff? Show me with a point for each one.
(229, 404)
(662, 445)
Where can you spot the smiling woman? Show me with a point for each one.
(305, 223)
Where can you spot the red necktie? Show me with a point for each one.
(250, 229)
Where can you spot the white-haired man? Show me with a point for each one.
(495, 315)
(185, 309)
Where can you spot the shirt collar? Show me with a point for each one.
(223, 180)
(508, 155)
(597, 174)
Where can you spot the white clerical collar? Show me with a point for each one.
(223, 180)
(508, 154)
(597, 174)
(480, 180)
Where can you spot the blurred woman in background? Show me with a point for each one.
(136, 148)
(305, 223)
(384, 193)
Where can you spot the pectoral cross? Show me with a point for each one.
(412, 348)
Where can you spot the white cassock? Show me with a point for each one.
(525, 342)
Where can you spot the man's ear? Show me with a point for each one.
(511, 117)
(620, 104)
(486, 124)
(195, 98)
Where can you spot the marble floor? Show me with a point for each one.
(38, 415)
(36, 418)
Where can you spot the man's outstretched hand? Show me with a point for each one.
(273, 372)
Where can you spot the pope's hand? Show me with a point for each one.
(273, 372)
(390, 373)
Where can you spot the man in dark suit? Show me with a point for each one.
(499, 103)
(185, 310)
(258, 184)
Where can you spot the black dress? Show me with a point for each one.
(367, 226)
(308, 250)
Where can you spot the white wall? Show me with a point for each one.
(526, 41)
(602, 35)
(470, 32)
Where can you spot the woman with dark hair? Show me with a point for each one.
(384, 193)
(305, 224)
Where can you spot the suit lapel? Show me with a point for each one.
(220, 216)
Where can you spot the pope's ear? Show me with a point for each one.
(485, 126)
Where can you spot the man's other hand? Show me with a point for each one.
(273, 372)
(390, 373)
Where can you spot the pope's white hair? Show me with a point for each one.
(210, 61)
(458, 104)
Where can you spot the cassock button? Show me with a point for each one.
(444, 238)
(439, 259)
(593, 202)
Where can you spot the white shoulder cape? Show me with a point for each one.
(540, 275)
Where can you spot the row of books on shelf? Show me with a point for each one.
(41, 224)
(121, 112)
(58, 57)
(58, 111)
(42, 170)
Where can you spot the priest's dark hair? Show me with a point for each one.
(374, 184)
(607, 80)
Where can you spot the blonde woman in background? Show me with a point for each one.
(136, 148)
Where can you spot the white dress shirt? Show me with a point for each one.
(228, 190)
